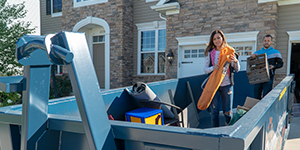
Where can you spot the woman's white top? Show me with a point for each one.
(207, 69)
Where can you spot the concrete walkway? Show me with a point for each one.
(293, 141)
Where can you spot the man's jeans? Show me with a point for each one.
(262, 89)
(226, 94)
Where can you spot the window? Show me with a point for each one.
(54, 7)
(81, 3)
(58, 69)
(244, 50)
(99, 39)
(152, 51)
(194, 53)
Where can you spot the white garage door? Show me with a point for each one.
(244, 49)
(192, 58)
(191, 61)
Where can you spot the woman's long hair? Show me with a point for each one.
(211, 44)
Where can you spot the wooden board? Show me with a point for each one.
(258, 69)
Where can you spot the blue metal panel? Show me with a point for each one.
(70, 141)
(11, 84)
(66, 106)
(31, 143)
(35, 101)
(86, 88)
(167, 136)
(182, 97)
(32, 50)
(121, 105)
(242, 88)
(65, 123)
(270, 114)
(6, 141)
(49, 140)
(265, 123)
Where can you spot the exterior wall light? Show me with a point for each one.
(170, 56)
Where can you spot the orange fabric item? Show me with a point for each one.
(215, 79)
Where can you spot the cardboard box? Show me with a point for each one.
(249, 103)
(145, 115)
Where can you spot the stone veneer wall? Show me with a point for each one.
(119, 15)
(148, 78)
(201, 17)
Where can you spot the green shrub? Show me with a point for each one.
(7, 99)
(63, 84)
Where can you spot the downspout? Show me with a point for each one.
(162, 17)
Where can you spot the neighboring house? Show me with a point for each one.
(130, 39)
(32, 15)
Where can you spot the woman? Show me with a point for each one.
(216, 43)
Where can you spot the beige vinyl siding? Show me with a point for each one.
(49, 24)
(142, 14)
(32, 15)
(288, 20)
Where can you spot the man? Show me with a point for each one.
(275, 62)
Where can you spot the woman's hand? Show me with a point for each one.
(232, 57)
(216, 67)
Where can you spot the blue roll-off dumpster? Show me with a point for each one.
(81, 122)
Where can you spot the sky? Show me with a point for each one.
(33, 13)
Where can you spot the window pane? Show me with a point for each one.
(201, 55)
(161, 62)
(239, 50)
(201, 51)
(95, 38)
(147, 63)
(248, 48)
(162, 40)
(148, 41)
(57, 6)
(58, 69)
(187, 53)
(99, 38)
(248, 53)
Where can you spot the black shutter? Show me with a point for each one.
(48, 7)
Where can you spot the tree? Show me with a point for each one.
(11, 29)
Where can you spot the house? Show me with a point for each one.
(130, 40)
(32, 15)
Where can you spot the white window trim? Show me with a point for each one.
(105, 25)
(230, 37)
(148, 1)
(281, 2)
(161, 2)
(167, 9)
(87, 3)
(58, 14)
(58, 70)
(294, 37)
(266, 1)
(204, 39)
(155, 25)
